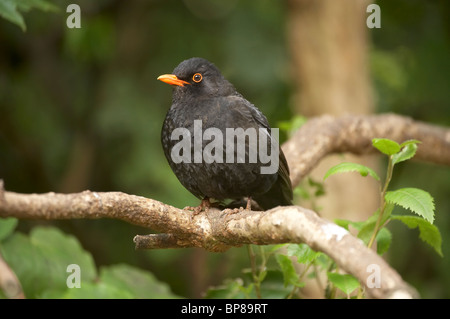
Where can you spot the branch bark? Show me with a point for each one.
(326, 135)
(219, 230)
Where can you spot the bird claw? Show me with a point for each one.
(231, 211)
(248, 207)
(204, 206)
(249, 204)
(196, 209)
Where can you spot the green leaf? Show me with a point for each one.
(247, 290)
(344, 223)
(273, 248)
(40, 260)
(91, 290)
(429, 233)
(407, 152)
(408, 142)
(387, 212)
(323, 261)
(414, 199)
(346, 283)
(320, 190)
(26, 5)
(386, 146)
(303, 253)
(7, 226)
(290, 276)
(366, 228)
(273, 287)
(384, 239)
(262, 275)
(357, 225)
(8, 10)
(371, 220)
(138, 283)
(302, 192)
(291, 126)
(351, 167)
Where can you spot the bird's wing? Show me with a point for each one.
(243, 110)
(250, 114)
(248, 110)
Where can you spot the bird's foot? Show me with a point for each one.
(248, 207)
(249, 204)
(231, 211)
(204, 206)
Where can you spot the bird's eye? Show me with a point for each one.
(197, 77)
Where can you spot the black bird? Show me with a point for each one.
(202, 93)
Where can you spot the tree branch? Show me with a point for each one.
(219, 230)
(326, 135)
(215, 231)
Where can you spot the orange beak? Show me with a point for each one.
(172, 80)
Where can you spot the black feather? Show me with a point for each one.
(216, 102)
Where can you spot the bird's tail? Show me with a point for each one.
(279, 195)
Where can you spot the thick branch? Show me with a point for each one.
(215, 230)
(326, 135)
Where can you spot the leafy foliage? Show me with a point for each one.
(414, 199)
(429, 233)
(303, 253)
(7, 226)
(41, 259)
(291, 126)
(346, 283)
(230, 289)
(386, 146)
(11, 9)
(373, 229)
(287, 268)
(383, 238)
(408, 150)
(366, 228)
(122, 281)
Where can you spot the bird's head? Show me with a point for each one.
(197, 77)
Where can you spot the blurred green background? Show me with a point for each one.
(81, 109)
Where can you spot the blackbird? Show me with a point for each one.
(203, 95)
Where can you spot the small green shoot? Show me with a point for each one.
(416, 200)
